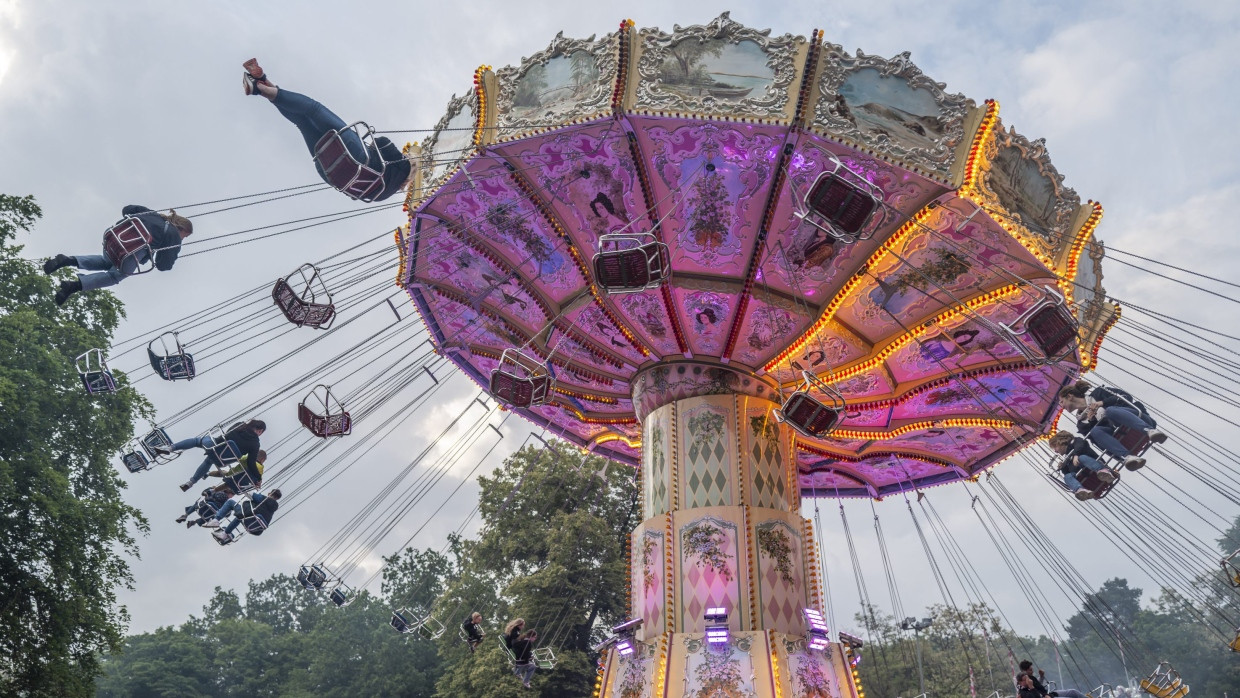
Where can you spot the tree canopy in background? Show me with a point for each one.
(65, 529)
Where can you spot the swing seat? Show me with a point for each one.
(1234, 645)
(92, 368)
(171, 364)
(429, 628)
(356, 180)
(311, 306)
(223, 450)
(312, 577)
(402, 621)
(520, 380)
(1090, 481)
(512, 658)
(544, 658)
(1134, 440)
(1045, 333)
(1231, 569)
(1165, 682)
(629, 263)
(127, 244)
(135, 461)
(324, 416)
(808, 415)
(842, 203)
(251, 522)
(341, 595)
(207, 508)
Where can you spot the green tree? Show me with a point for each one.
(552, 550)
(65, 529)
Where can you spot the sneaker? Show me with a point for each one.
(255, 71)
(1084, 494)
(182, 518)
(1134, 462)
(1155, 436)
(223, 537)
(161, 451)
(211, 523)
(60, 260)
(249, 84)
(1106, 475)
(191, 524)
(67, 288)
(186, 485)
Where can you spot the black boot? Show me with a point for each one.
(67, 288)
(57, 262)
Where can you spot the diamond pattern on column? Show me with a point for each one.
(703, 585)
(781, 601)
(708, 466)
(655, 463)
(766, 465)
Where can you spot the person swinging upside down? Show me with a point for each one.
(167, 232)
(316, 121)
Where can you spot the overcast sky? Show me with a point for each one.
(103, 104)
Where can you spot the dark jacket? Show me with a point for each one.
(165, 237)
(523, 650)
(511, 637)
(395, 167)
(1038, 688)
(1079, 447)
(247, 445)
(1111, 397)
(264, 506)
(472, 631)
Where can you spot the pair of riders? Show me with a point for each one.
(521, 642)
(167, 231)
(1100, 413)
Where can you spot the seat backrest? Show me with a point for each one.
(505, 387)
(127, 237)
(135, 461)
(1053, 328)
(809, 415)
(352, 178)
(843, 204)
(98, 382)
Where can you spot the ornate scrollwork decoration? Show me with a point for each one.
(656, 92)
(589, 96)
(1004, 183)
(438, 167)
(925, 141)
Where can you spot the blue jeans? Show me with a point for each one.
(203, 442)
(314, 120)
(525, 672)
(1102, 436)
(108, 275)
(229, 507)
(1086, 462)
(1069, 693)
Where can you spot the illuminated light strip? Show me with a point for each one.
(601, 399)
(1090, 360)
(598, 420)
(668, 587)
(747, 522)
(770, 639)
(657, 231)
(622, 66)
(908, 337)
(488, 353)
(985, 130)
(914, 223)
(811, 68)
(964, 422)
(937, 382)
(481, 119)
(1067, 281)
(852, 458)
(612, 436)
(660, 681)
(598, 680)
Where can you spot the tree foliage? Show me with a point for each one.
(66, 531)
(552, 549)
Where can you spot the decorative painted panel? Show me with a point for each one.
(811, 673)
(766, 485)
(655, 454)
(570, 79)
(780, 576)
(889, 106)
(706, 476)
(710, 558)
(712, 671)
(649, 579)
(635, 672)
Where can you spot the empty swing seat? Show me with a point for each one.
(323, 415)
(520, 381)
(354, 179)
(1045, 333)
(127, 244)
(170, 363)
(135, 461)
(808, 415)
(312, 577)
(544, 658)
(628, 263)
(1231, 569)
(146, 452)
(1165, 682)
(93, 369)
(311, 306)
(429, 628)
(844, 205)
(341, 595)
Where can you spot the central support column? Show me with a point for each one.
(721, 529)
